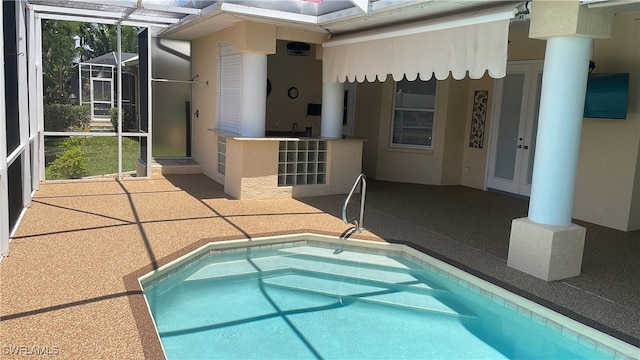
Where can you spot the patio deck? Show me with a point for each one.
(69, 283)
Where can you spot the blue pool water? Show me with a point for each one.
(312, 302)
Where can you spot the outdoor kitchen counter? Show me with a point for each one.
(282, 167)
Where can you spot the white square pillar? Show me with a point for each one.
(547, 252)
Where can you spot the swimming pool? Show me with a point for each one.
(311, 296)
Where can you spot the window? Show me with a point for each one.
(414, 113)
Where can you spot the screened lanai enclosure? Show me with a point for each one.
(91, 126)
(81, 92)
(94, 126)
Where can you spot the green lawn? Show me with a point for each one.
(101, 152)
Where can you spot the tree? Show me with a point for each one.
(100, 39)
(66, 42)
(58, 53)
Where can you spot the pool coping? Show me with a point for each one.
(544, 315)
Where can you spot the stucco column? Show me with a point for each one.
(253, 108)
(546, 244)
(332, 109)
(564, 83)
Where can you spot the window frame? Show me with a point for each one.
(434, 110)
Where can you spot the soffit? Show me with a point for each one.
(342, 18)
(191, 19)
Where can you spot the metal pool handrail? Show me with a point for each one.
(363, 190)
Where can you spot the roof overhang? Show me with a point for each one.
(191, 19)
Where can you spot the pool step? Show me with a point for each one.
(392, 296)
(340, 274)
(349, 269)
(346, 271)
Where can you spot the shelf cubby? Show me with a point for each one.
(302, 162)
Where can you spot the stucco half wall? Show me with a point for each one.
(252, 168)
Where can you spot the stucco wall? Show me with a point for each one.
(344, 166)
(205, 55)
(302, 72)
(474, 160)
(406, 164)
(607, 178)
(634, 214)
(454, 127)
(367, 124)
(252, 169)
(446, 164)
(521, 47)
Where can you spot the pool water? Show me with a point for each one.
(308, 302)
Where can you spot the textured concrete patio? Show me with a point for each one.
(70, 282)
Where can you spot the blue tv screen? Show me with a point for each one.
(607, 96)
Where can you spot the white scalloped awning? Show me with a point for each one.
(463, 44)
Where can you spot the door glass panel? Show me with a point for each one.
(509, 125)
(534, 129)
(102, 90)
(171, 100)
(101, 111)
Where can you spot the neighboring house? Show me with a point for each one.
(472, 120)
(95, 83)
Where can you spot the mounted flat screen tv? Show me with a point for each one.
(607, 96)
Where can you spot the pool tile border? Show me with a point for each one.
(609, 347)
(574, 331)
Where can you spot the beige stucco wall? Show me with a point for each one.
(302, 72)
(252, 169)
(344, 158)
(521, 47)
(567, 18)
(205, 55)
(367, 124)
(608, 178)
(405, 164)
(474, 160)
(454, 131)
(446, 164)
(607, 185)
(608, 182)
(255, 37)
(634, 214)
(441, 165)
(248, 37)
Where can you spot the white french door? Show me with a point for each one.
(514, 125)
(101, 98)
